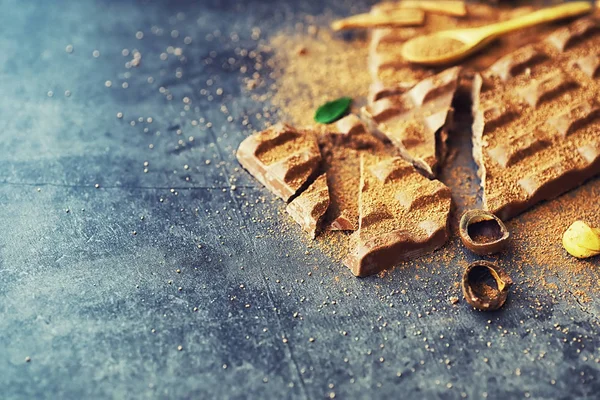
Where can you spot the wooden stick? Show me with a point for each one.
(408, 17)
(448, 7)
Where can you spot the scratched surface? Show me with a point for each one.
(167, 284)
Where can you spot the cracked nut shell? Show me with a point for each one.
(482, 232)
(485, 285)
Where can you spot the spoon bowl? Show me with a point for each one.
(443, 48)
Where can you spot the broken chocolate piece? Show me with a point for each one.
(350, 125)
(309, 207)
(535, 134)
(378, 91)
(282, 158)
(402, 215)
(341, 150)
(417, 121)
(343, 168)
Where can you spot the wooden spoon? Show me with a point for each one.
(446, 47)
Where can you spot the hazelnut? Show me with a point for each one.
(482, 232)
(485, 285)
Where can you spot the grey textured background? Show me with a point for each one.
(101, 311)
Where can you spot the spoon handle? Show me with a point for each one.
(539, 17)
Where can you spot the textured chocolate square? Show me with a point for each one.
(310, 206)
(537, 120)
(417, 121)
(402, 215)
(282, 158)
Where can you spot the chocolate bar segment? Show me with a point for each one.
(310, 206)
(517, 148)
(281, 158)
(546, 88)
(590, 152)
(535, 133)
(576, 32)
(496, 116)
(589, 64)
(417, 121)
(575, 118)
(517, 62)
(402, 215)
(341, 152)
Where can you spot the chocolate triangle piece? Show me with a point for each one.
(403, 215)
(417, 121)
(282, 158)
(536, 120)
(310, 206)
(341, 152)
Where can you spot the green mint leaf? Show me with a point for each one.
(333, 110)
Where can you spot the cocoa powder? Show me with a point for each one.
(425, 47)
(312, 67)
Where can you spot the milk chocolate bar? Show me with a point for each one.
(402, 215)
(310, 206)
(282, 158)
(341, 153)
(537, 118)
(417, 121)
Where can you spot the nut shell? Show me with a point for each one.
(485, 285)
(482, 232)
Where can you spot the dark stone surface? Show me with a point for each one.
(101, 311)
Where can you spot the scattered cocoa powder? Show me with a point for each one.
(537, 240)
(335, 244)
(311, 68)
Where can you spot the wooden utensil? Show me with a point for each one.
(392, 18)
(455, 8)
(447, 47)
